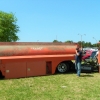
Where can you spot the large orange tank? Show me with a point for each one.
(35, 48)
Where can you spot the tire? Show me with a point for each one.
(63, 67)
(71, 66)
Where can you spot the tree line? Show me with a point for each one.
(83, 43)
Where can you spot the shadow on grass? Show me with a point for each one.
(87, 75)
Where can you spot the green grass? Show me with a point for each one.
(53, 87)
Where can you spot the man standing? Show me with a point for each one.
(78, 59)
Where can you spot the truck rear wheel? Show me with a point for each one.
(63, 67)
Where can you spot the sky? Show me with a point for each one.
(62, 20)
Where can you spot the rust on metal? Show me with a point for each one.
(21, 48)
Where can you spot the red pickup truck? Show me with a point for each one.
(87, 55)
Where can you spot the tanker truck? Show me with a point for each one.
(27, 59)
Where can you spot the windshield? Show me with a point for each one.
(93, 54)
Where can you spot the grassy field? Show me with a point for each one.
(53, 87)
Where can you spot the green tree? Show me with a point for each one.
(8, 27)
(68, 41)
(56, 41)
(88, 44)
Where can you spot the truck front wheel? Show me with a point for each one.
(63, 67)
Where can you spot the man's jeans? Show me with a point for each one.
(78, 68)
